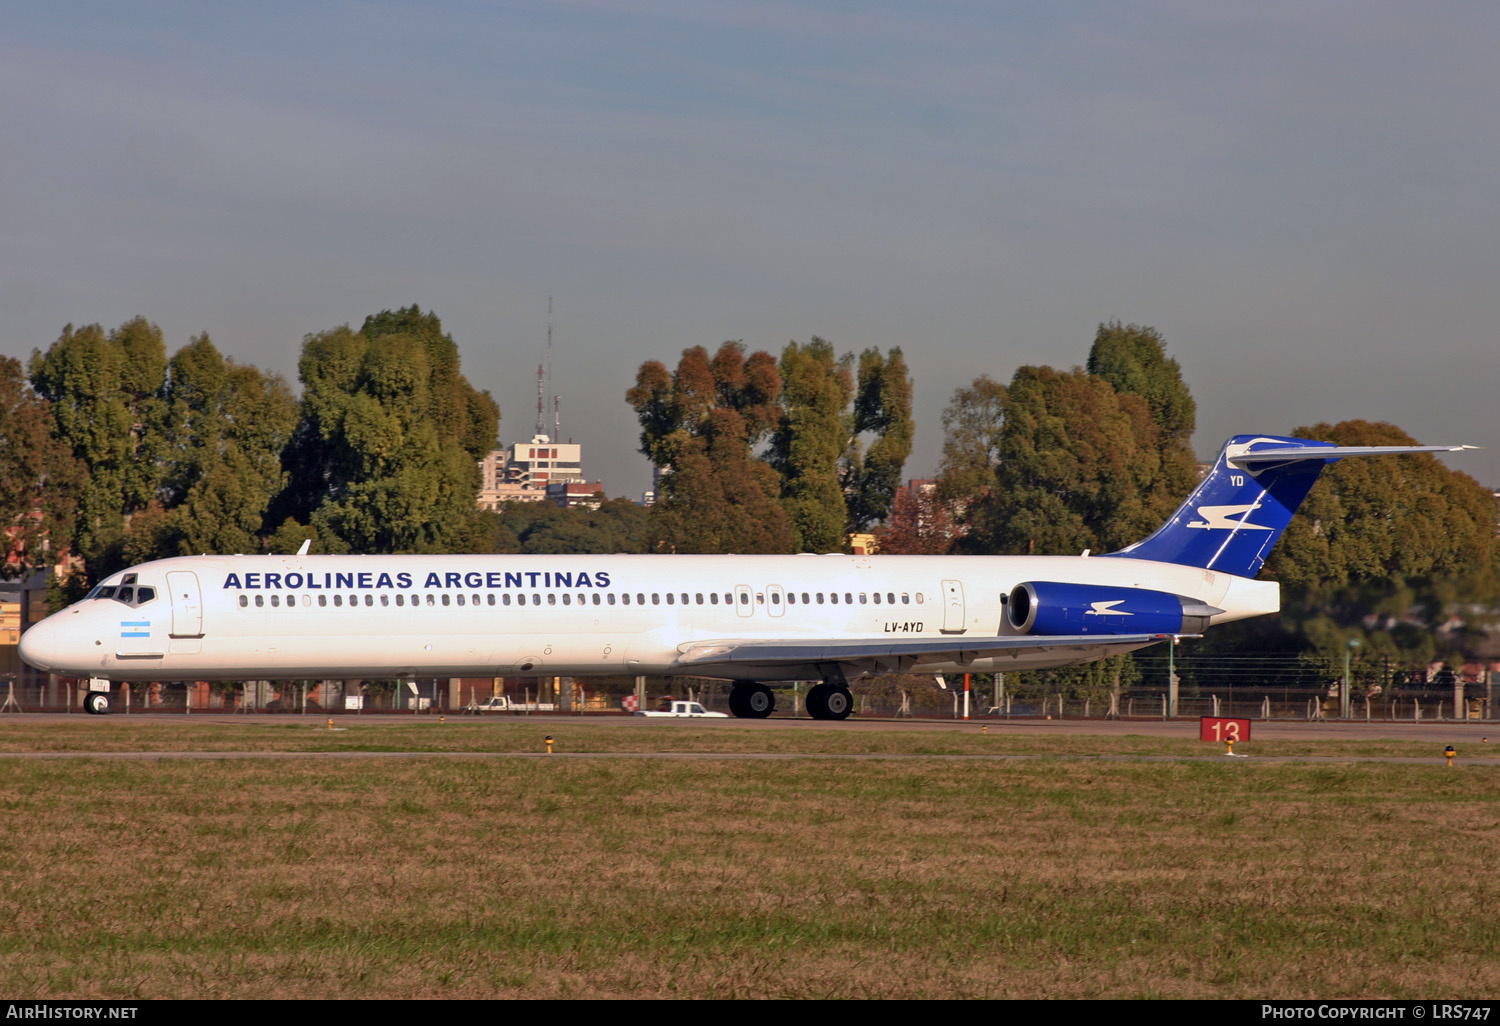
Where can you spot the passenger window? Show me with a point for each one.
(260, 600)
(291, 600)
(275, 600)
(385, 600)
(460, 599)
(244, 601)
(446, 598)
(567, 599)
(877, 598)
(669, 598)
(684, 598)
(431, 599)
(919, 598)
(611, 598)
(775, 599)
(505, 599)
(520, 600)
(491, 597)
(713, 597)
(551, 599)
(625, 598)
(369, 600)
(833, 597)
(820, 598)
(338, 600)
(849, 598)
(744, 597)
(804, 598)
(890, 598)
(655, 599)
(322, 600)
(905, 599)
(475, 599)
(598, 600)
(699, 598)
(640, 598)
(400, 600)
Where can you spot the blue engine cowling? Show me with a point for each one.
(1046, 607)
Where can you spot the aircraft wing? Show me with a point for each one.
(743, 659)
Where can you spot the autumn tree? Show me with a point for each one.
(699, 425)
(39, 477)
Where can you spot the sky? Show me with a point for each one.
(1304, 199)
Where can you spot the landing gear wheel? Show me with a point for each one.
(838, 703)
(751, 701)
(97, 703)
(817, 701)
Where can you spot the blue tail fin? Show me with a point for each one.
(1237, 513)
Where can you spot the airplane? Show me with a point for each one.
(746, 619)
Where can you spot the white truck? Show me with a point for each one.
(501, 703)
(683, 709)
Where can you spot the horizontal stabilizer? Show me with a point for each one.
(1288, 454)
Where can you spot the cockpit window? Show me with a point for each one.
(129, 594)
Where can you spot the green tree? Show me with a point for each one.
(814, 433)
(105, 396)
(226, 425)
(882, 409)
(1133, 358)
(617, 525)
(1077, 468)
(385, 456)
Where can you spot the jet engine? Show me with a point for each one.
(1047, 607)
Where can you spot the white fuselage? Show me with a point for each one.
(328, 617)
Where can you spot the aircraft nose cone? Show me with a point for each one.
(42, 646)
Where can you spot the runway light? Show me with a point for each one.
(984, 728)
(1449, 753)
(330, 723)
(549, 744)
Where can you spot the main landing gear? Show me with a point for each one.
(751, 701)
(829, 702)
(96, 702)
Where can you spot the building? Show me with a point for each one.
(525, 471)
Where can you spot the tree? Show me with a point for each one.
(226, 425)
(920, 524)
(699, 425)
(617, 525)
(1133, 358)
(1077, 467)
(882, 408)
(105, 396)
(814, 433)
(39, 477)
(385, 457)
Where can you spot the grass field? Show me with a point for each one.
(715, 878)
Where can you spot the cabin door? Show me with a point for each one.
(953, 607)
(187, 604)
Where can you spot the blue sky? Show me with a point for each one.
(1301, 197)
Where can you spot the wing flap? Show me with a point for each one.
(723, 658)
